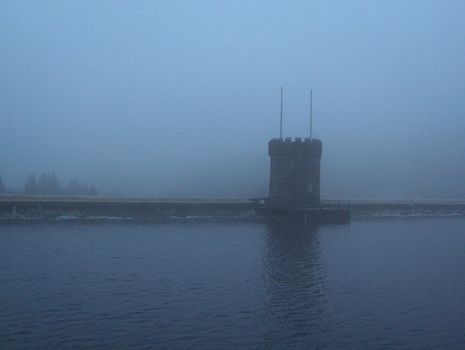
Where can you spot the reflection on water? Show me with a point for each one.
(295, 287)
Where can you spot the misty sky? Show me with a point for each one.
(179, 98)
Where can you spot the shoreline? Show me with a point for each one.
(34, 209)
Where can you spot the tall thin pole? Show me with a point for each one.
(281, 118)
(311, 113)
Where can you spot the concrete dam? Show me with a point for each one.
(37, 208)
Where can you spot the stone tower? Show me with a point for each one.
(294, 172)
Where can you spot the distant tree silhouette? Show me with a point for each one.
(2, 186)
(31, 185)
(49, 184)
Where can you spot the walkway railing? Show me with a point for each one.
(335, 203)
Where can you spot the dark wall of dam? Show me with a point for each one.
(137, 208)
(51, 207)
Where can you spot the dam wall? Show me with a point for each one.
(386, 207)
(399, 204)
(32, 207)
(143, 208)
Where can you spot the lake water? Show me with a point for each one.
(376, 283)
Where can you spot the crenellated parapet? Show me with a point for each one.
(296, 146)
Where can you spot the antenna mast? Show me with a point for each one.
(311, 113)
(281, 118)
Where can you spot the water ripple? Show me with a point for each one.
(374, 284)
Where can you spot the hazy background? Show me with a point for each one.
(179, 98)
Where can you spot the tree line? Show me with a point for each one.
(49, 184)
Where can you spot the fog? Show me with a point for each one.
(180, 98)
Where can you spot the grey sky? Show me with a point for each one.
(181, 97)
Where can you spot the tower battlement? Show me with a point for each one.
(288, 146)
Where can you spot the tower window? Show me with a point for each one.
(310, 186)
(292, 165)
